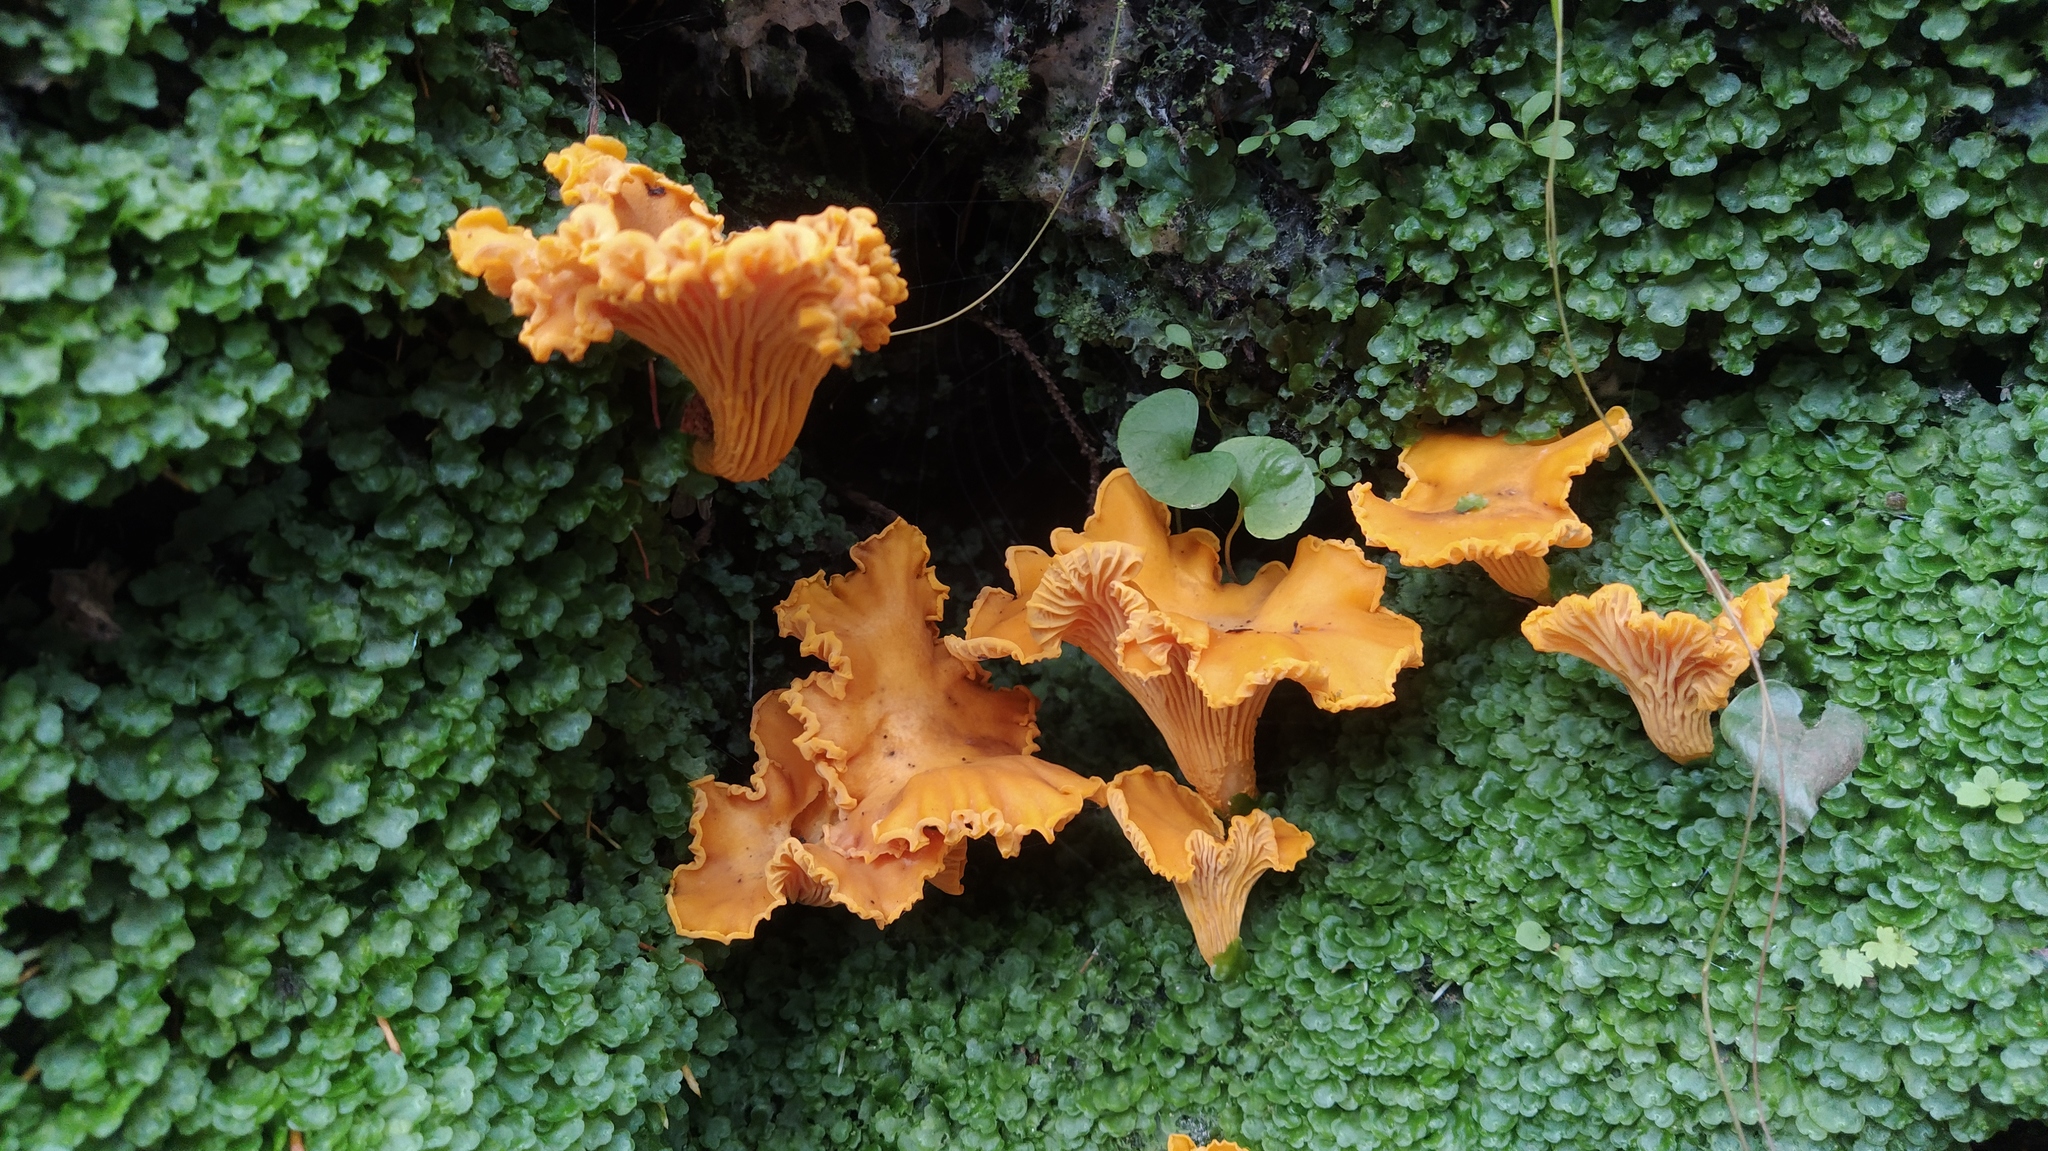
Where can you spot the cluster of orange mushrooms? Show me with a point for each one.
(872, 775)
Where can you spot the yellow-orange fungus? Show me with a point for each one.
(754, 319)
(1479, 498)
(1677, 667)
(1186, 1143)
(1200, 655)
(1183, 842)
(873, 774)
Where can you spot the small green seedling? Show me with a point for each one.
(1850, 966)
(1988, 787)
(1552, 141)
(1275, 484)
(1178, 336)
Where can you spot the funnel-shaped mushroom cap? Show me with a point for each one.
(1484, 500)
(1677, 667)
(1200, 655)
(1183, 841)
(915, 747)
(1186, 1143)
(755, 320)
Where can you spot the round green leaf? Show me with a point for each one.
(1530, 934)
(1212, 360)
(1276, 484)
(1155, 440)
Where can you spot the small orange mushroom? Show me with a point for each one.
(1480, 498)
(755, 319)
(1179, 1142)
(1201, 656)
(1182, 841)
(872, 775)
(1677, 667)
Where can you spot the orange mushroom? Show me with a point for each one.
(1186, 1143)
(755, 319)
(873, 774)
(1181, 840)
(1677, 667)
(756, 847)
(1480, 498)
(1200, 655)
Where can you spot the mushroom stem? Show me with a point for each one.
(1679, 730)
(1212, 746)
(1523, 575)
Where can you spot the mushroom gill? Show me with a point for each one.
(754, 319)
(1182, 841)
(1677, 668)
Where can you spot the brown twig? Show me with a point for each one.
(871, 505)
(590, 825)
(690, 1077)
(390, 1036)
(653, 396)
(646, 569)
(1829, 23)
(298, 1141)
(1017, 344)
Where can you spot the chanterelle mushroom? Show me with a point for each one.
(1178, 1142)
(874, 773)
(1200, 655)
(1183, 842)
(1677, 667)
(1480, 498)
(755, 320)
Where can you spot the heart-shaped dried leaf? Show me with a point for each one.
(1796, 762)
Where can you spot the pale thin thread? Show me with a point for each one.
(1087, 136)
(1719, 590)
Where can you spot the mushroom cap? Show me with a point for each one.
(754, 319)
(741, 836)
(1525, 487)
(1677, 666)
(914, 746)
(1124, 584)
